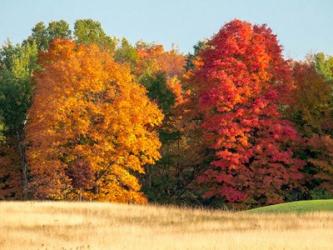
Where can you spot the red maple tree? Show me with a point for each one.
(241, 80)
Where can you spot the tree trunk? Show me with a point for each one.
(21, 150)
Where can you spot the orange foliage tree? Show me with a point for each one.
(90, 129)
(153, 58)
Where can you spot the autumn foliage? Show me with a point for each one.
(10, 172)
(152, 58)
(240, 81)
(97, 118)
(321, 162)
(311, 111)
(311, 100)
(90, 127)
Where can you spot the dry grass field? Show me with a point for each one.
(64, 225)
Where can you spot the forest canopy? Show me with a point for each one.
(85, 115)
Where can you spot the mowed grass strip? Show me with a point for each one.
(298, 207)
(84, 225)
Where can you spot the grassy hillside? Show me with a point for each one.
(298, 206)
(71, 225)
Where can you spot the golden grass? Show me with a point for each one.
(65, 225)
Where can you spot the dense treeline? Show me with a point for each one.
(88, 116)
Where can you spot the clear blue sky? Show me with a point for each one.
(302, 26)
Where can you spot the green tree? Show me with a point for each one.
(58, 29)
(159, 91)
(42, 35)
(190, 58)
(126, 53)
(89, 31)
(39, 36)
(324, 65)
(17, 64)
